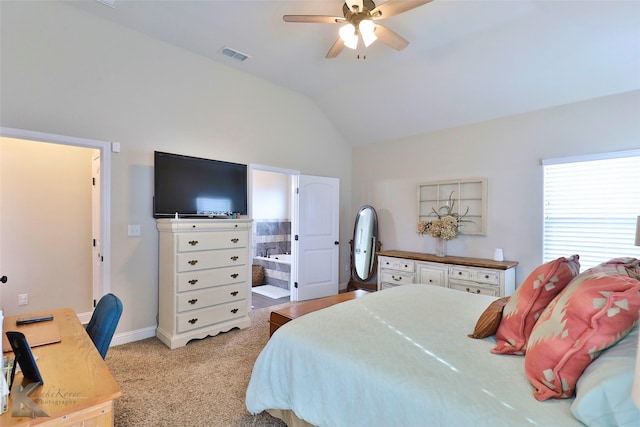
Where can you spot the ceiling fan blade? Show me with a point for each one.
(335, 49)
(395, 7)
(313, 19)
(390, 38)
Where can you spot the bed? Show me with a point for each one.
(398, 357)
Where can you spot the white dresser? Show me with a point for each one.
(474, 275)
(203, 278)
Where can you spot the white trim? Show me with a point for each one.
(132, 336)
(591, 157)
(105, 182)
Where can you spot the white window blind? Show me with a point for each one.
(591, 205)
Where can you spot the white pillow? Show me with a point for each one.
(603, 392)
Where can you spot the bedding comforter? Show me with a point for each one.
(398, 357)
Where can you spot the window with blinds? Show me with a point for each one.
(591, 205)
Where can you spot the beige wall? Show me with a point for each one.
(45, 223)
(69, 73)
(271, 195)
(507, 152)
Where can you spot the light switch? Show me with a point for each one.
(134, 229)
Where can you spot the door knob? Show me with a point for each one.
(3, 279)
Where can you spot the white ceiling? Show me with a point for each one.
(467, 61)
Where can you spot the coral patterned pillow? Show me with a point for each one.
(595, 311)
(528, 301)
(624, 265)
(489, 320)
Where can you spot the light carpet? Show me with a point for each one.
(201, 384)
(271, 291)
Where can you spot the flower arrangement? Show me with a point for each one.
(448, 223)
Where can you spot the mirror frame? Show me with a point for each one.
(356, 279)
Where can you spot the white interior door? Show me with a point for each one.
(317, 207)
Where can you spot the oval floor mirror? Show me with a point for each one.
(364, 247)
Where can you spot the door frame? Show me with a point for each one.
(294, 220)
(105, 192)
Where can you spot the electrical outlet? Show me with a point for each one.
(23, 299)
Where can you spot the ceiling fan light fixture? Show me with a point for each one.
(349, 36)
(367, 30)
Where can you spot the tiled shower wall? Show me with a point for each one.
(274, 235)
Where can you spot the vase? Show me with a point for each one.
(441, 247)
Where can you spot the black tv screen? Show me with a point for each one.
(194, 187)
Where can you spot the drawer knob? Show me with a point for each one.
(459, 273)
(235, 240)
(430, 280)
(193, 262)
(193, 281)
(234, 293)
(486, 276)
(234, 310)
(193, 242)
(235, 275)
(234, 258)
(193, 301)
(193, 321)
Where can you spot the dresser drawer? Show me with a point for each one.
(397, 264)
(463, 273)
(473, 289)
(208, 297)
(188, 242)
(194, 280)
(209, 316)
(433, 277)
(431, 273)
(488, 276)
(395, 278)
(191, 261)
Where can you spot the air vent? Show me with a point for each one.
(232, 53)
(110, 3)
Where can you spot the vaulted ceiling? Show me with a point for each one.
(467, 61)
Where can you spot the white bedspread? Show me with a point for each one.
(399, 357)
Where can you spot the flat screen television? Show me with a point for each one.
(193, 187)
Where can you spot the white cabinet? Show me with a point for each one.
(432, 273)
(394, 271)
(474, 275)
(203, 278)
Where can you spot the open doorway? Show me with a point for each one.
(307, 226)
(271, 248)
(56, 223)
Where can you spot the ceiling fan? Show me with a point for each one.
(358, 20)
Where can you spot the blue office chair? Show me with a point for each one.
(104, 321)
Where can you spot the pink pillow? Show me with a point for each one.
(528, 301)
(594, 312)
(624, 265)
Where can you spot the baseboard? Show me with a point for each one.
(131, 336)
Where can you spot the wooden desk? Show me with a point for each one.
(280, 317)
(78, 386)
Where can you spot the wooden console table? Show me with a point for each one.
(78, 387)
(280, 317)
